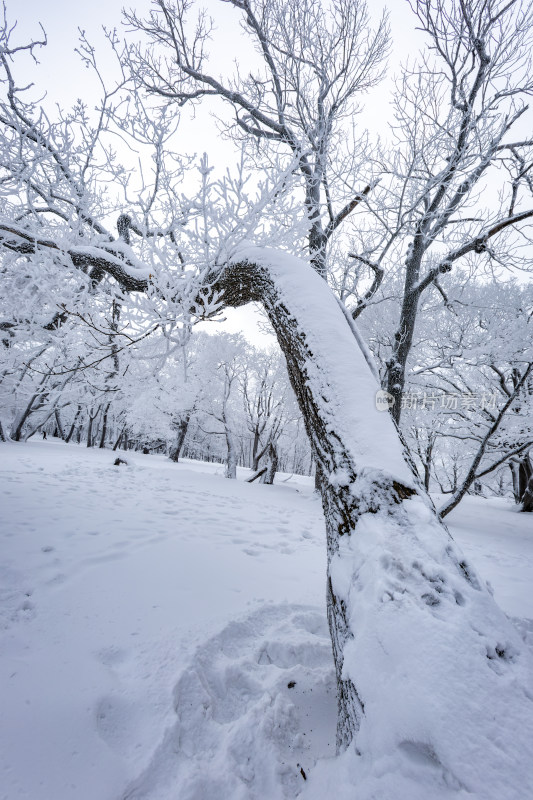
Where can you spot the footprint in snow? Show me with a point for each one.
(15, 603)
(255, 706)
(112, 656)
(116, 721)
(57, 579)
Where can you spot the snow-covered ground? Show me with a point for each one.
(163, 632)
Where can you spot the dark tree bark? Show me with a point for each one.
(118, 441)
(73, 426)
(257, 454)
(92, 417)
(104, 427)
(60, 431)
(256, 475)
(527, 497)
(35, 403)
(177, 447)
(427, 462)
(523, 483)
(16, 433)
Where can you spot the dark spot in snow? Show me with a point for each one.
(302, 773)
(291, 684)
(498, 651)
(118, 461)
(470, 577)
(421, 753)
(430, 599)
(501, 652)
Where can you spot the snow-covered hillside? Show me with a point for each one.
(163, 631)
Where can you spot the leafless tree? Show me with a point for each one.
(313, 64)
(456, 183)
(391, 563)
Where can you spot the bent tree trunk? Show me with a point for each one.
(431, 675)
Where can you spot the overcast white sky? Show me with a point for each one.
(65, 79)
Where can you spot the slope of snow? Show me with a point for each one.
(163, 634)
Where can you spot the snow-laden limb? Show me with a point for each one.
(433, 681)
(337, 374)
(118, 258)
(115, 258)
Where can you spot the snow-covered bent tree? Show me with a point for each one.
(429, 670)
(432, 677)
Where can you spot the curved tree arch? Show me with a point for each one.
(429, 669)
(431, 675)
(405, 608)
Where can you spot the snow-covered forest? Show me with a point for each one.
(379, 216)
